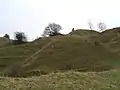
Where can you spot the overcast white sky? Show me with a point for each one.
(32, 16)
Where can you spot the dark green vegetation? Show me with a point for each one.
(81, 50)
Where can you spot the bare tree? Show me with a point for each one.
(90, 25)
(101, 26)
(52, 29)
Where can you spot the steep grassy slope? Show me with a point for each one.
(13, 54)
(111, 38)
(69, 52)
(4, 42)
(109, 80)
(109, 35)
(81, 51)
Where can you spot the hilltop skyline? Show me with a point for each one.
(32, 16)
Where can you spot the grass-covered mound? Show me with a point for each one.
(82, 50)
(68, 53)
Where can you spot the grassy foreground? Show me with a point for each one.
(108, 80)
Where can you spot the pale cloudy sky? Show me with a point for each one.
(32, 16)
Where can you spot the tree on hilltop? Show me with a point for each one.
(52, 30)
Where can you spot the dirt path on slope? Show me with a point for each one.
(32, 58)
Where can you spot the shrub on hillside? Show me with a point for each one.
(20, 38)
(7, 36)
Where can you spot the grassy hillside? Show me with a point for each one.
(84, 32)
(4, 42)
(82, 50)
(111, 38)
(109, 80)
(13, 54)
(83, 59)
(109, 35)
(66, 53)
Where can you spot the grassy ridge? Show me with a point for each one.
(84, 32)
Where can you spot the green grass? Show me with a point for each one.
(109, 80)
(69, 52)
(111, 38)
(4, 42)
(84, 32)
(14, 54)
(79, 51)
(82, 60)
